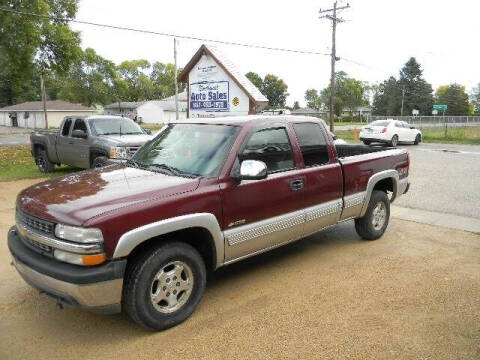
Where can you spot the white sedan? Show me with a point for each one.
(390, 132)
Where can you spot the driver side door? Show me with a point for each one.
(260, 214)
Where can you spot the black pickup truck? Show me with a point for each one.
(87, 142)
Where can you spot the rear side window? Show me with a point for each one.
(380, 123)
(272, 147)
(66, 127)
(80, 125)
(312, 143)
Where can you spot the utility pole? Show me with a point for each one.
(334, 58)
(403, 97)
(176, 82)
(44, 99)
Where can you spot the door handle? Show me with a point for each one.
(296, 184)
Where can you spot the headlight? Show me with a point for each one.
(78, 234)
(117, 152)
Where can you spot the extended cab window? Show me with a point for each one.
(312, 143)
(272, 147)
(80, 125)
(66, 127)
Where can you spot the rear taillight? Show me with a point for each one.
(384, 130)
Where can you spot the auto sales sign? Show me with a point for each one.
(210, 96)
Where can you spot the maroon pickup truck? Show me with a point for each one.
(140, 237)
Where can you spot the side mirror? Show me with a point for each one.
(79, 134)
(252, 170)
(148, 131)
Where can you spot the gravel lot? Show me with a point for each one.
(415, 293)
(442, 181)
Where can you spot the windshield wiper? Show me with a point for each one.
(172, 170)
(109, 133)
(132, 133)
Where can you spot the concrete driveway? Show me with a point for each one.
(415, 293)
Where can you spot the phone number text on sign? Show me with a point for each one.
(209, 96)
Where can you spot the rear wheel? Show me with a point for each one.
(99, 161)
(394, 141)
(375, 221)
(418, 138)
(367, 142)
(43, 162)
(163, 287)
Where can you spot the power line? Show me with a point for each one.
(186, 37)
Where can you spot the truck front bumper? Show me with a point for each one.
(96, 288)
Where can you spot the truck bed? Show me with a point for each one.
(344, 151)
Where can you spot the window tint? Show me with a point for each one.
(380, 123)
(398, 125)
(312, 143)
(272, 147)
(80, 125)
(66, 127)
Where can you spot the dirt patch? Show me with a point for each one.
(415, 293)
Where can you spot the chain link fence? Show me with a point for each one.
(432, 121)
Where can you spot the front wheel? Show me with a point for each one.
(163, 286)
(375, 221)
(394, 141)
(43, 162)
(99, 161)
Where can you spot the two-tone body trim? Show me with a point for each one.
(374, 179)
(352, 205)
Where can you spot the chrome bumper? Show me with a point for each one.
(103, 297)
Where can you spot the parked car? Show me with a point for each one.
(392, 132)
(87, 142)
(337, 140)
(141, 236)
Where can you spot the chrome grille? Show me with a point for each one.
(35, 223)
(131, 150)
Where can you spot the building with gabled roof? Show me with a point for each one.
(216, 87)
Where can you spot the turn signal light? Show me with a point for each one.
(93, 259)
(384, 130)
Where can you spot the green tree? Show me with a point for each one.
(296, 105)
(475, 97)
(255, 79)
(455, 97)
(418, 93)
(275, 90)
(312, 99)
(134, 84)
(30, 45)
(349, 93)
(387, 98)
(163, 80)
(90, 80)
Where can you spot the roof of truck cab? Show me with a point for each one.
(243, 120)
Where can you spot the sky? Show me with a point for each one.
(379, 35)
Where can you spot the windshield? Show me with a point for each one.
(187, 149)
(114, 126)
(380, 123)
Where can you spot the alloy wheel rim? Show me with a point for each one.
(171, 287)
(394, 141)
(379, 215)
(41, 163)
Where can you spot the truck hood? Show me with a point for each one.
(75, 198)
(128, 140)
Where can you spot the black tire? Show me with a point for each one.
(394, 141)
(418, 138)
(365, 226)
(43, 162)
(99, 161)
(367, 142)
(140, 282)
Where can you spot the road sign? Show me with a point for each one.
(440, 107)
(434, 112)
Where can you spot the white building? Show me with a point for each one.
(30, 114)
(151, 111)
(216, 87)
